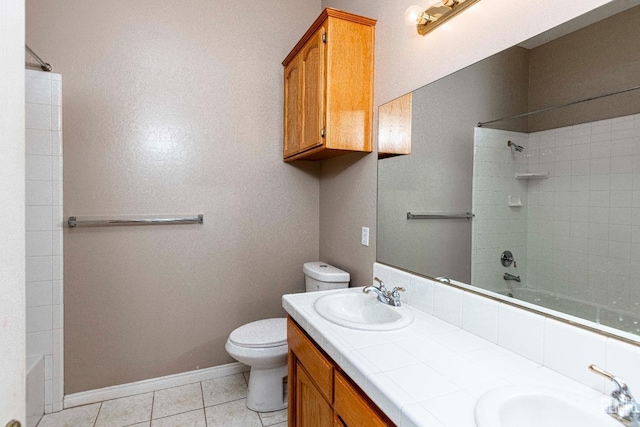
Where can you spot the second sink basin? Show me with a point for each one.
(356, 310)
(521, 406)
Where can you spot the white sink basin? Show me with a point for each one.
(357, 310)
(521, 406)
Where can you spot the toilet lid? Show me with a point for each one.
(262, 333)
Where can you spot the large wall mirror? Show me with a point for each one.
(541, 202)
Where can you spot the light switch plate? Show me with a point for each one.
(365, 236)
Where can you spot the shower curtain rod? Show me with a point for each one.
(45, 66)
(542, 110)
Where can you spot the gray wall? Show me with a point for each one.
(174, 107)
(595, 60)
(437, 175)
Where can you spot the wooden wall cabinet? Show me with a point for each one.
(320, 395)
(394, 127)
(328, 88)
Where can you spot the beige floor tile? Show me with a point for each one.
(224, 389)
(176, 400)
(144, 424)
(273, 418)
(125, 411)
(82, 416)
(232, 414)
(284, 424)
(186, 419)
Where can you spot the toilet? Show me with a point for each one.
(262, 344)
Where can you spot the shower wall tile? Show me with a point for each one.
(38, 91)
(39, 318)
(39, 268)
(56, 143)
(579, 229)
(604, 203)
(38, 168)
(39, 218)
(38, 116)
(44, 241)
(39, 243)
(39, 193)
(39, 294)
(38, 142)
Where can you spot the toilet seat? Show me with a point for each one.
(265, 333)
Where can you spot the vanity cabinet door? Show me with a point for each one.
(319, 394)
(312, 410)
(352, 408)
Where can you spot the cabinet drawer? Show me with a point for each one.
(320, 369)
(352, 408)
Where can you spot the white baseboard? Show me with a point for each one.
(153, 384)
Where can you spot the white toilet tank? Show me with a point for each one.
(320, 276)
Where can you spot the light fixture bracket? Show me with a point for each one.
(442, 13)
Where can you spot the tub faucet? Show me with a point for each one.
(385, 296)
(623, 406)
(508, 276)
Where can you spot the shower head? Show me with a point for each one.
(518, 148)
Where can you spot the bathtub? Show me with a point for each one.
(619, 319)
(35, 390)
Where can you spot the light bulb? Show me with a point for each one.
(412, 14)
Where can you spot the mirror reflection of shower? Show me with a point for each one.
(565, 207)
(514, 146)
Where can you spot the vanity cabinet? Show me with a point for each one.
(328, 88)
(320, 394)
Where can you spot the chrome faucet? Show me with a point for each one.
(508, 276)
(623, 406)
(385, 296)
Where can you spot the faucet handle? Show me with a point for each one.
(395, 295)
(381, 287)
(622, 387)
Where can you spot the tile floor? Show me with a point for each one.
(212, 403)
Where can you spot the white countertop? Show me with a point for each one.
(430, 373)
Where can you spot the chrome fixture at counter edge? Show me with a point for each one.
(623, 406)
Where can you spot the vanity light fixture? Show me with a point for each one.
(438, 12)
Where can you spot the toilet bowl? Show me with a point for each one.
(262, 344)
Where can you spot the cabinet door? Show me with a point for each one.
(292, 106)
(313, 90)
(352, 408)
(311, 408)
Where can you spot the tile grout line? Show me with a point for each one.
(204, 411)
(153, 402)
(97, 415)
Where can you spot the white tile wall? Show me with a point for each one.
(557, 346)
(44, 243)
(496, 225)
(581, 226)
